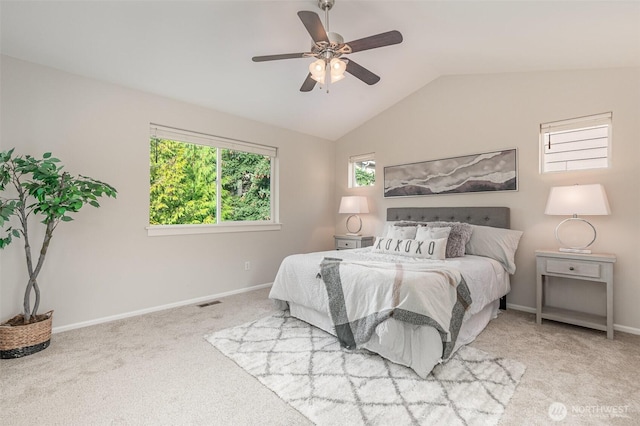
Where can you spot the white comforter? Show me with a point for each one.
(364, 294)
(299, 284)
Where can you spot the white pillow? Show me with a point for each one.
(387, 226)
(426, 233)
(497, 243)
(401, 232)
(427, 249)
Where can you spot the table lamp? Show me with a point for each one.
(574, 200)
(353, 205)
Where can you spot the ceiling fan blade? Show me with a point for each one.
(276, 57)
(362, 73)
(308, 84)
(312, 23)
(378, 40)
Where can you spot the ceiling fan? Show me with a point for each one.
(328, 48)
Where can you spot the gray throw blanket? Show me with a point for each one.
(361, 295)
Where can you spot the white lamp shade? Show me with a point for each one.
(584, 200)
(353, 204)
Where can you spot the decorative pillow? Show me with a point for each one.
(458, 237)
(391, 223)
(401, 231)
(427, 249)
(497, 243)
(426, 233)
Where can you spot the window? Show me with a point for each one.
(577, 144)
(198, 179)
(362, 170)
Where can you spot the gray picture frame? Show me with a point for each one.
(486, 172)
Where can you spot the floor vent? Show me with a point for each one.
(204, 305)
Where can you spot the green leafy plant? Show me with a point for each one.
(32, 186)
(364, 177)
(183, 186)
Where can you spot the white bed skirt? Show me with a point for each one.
(417, 347)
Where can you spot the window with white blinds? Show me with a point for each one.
(170, 133)
(577, 144)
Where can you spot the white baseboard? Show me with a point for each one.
(616, 327)
(521, 308)
(625, 329)
(156, 308)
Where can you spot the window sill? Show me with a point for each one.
(164, 230)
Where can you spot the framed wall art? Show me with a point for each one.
(491, 171)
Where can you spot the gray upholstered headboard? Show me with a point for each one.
(498, 217)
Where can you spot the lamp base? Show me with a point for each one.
(568, 248)
(350, 230)
(574, 250)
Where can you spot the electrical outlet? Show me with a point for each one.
(247, 265)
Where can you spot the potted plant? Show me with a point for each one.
(32, 186)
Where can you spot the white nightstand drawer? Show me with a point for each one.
(571, 267)
(346, 244)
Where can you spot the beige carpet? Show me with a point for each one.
(158, 369)
(331, 385)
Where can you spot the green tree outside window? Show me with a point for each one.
(183, 184)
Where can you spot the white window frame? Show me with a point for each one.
(352, 169)
(187, 136)
(582, 143)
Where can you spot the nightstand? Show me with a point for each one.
(346, 242)
(577, 266)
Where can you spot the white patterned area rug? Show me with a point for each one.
(308, 369)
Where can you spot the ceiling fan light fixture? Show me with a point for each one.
(336, 77)
(318, 78)
(317, 67)
(338, 66)
(318, 70)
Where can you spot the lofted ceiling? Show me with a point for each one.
(200, 51)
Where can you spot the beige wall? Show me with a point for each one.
(462, 115)
(103, 263)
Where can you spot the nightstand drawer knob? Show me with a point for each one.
(571, 268)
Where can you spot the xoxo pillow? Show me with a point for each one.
(425, 249)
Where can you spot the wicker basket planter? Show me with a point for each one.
(18, 339)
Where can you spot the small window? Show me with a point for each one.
(577, 144)
(198, 179)
(362, 170)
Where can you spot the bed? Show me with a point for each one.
(403, 298)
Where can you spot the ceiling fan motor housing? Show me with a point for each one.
(334, 49)
(335, 38)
